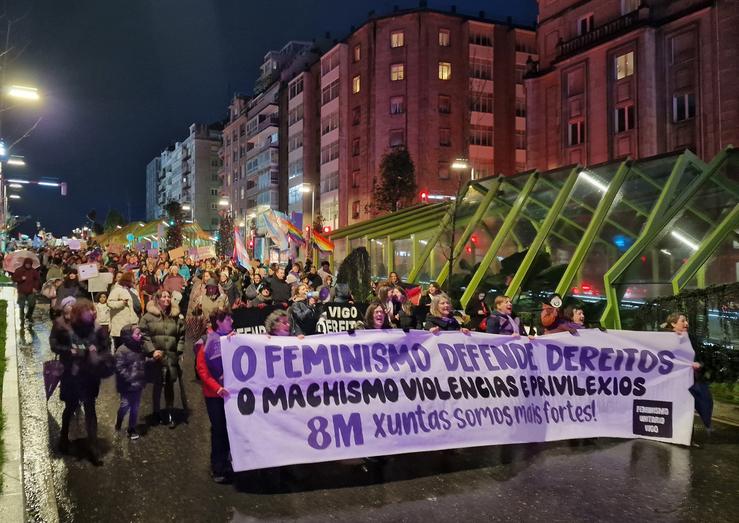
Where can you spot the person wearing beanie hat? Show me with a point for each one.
(212, 299)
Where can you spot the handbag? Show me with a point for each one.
(53, 370)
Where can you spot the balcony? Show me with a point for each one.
(269, 121)
(600, 34)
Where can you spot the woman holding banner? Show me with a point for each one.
(677, 322)
(441, 316)
(210, 371)
(375, 317)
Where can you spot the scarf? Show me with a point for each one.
(213, 359)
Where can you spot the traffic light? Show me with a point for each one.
(327, 228)
(473, 239)
(424, 197)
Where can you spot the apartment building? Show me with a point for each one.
(188, 173)
(443, 85)
(619, 78)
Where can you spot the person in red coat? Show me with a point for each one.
(28, 281)
(210, 370)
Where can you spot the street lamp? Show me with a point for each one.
(188, 207)
(18, 161)
(462, 164)
(23, 92)
(308, 188)
(459, 165)
(14, 196)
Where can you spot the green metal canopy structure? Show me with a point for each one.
(613, 235)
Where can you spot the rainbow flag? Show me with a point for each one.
(323, 243)
(289, 228)
(294, 233)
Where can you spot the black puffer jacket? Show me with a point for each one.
(445, 324)
(130, 373)
(165, 333)
(80, 381)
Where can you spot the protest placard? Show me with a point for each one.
(152, 253)
(74, 245)
(115, 248)
(340, 317)
(86, 271)
(375, 392)
(100, 283)
(179, 252)
(205, 252)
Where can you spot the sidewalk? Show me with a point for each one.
(12, 500)
(726, 413)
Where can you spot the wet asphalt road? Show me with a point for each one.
(164, 476)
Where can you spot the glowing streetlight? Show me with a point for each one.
(17, 161)
(223, 202)
(461, 164)
(23, 92)
(15, 186)
(14, 196)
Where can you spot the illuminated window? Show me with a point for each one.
(624, 65)
(397, 39)
(444, 38)
(397, 72)
(445, 70)
(356, 84)
(357, 53)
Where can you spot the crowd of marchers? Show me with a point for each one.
(157, 312)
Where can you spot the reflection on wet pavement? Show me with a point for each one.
(164, 476)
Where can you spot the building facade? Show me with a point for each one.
(153, 210)
(255, 164)
(442, 85)
(188, 172)
(201, 165)
(628, 78)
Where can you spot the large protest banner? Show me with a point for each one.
(337, 396)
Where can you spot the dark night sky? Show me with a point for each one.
(122, 79)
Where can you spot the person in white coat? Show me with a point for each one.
(125, 306)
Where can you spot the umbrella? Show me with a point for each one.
(703, 401)
(15, 259)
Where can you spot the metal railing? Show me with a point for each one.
(598, 35)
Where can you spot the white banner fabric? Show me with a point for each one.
(338, 396)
